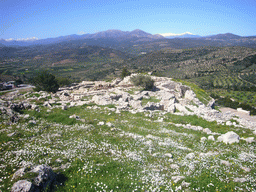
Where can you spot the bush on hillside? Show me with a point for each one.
(125, 73)
(63, 81)
(45, 82)
(144, 81)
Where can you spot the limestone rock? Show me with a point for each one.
(190, 156)
(12, 134)
(229, 123)
(64, 107)
(174, 166)
(211, 137)
(137, 97)
(223, 162)
(229, 138)
(176, 179)
(115, 97)
(168, 155)
(109, 124)
(45, 176)
(211, 104)
(116, 81)
(125, 97)
(47, 104)
(185, 184)
(102, 100)
(34, 107)
(101, 123)
(26, 105)
(249, 139)
(246, 169)
(190, 95)
(23, 186)
(171, 109)
(203, 139)
(182, 108)
(19, 173)
(135, 104)
(74, 116)
(240, 180)
(166, 96)
(26, 116)
(207, 130)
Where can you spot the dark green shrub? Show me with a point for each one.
(18, 82)
(125, 73)
(144, 81)
(63, 81)
(45, 82)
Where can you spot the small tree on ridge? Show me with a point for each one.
(45, 82)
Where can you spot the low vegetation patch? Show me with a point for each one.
(144, 81)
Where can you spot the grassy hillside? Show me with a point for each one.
(101, 150)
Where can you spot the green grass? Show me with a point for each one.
(86, 176)
(207, 180)
(151, 99)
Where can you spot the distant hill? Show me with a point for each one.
(226, 36)
(7, 52)
(196, 62)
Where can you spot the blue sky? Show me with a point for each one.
(21, 19)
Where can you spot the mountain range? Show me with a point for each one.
(121, 36)
(109, 34)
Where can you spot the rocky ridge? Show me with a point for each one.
(173, 98)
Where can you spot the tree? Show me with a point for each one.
(125, 73)
(63, 81)
(18, 82)
(45, 82)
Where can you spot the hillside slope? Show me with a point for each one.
(115, 136)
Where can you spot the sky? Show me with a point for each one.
(25, 19)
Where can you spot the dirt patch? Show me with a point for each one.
(65, 61)
(238, 113)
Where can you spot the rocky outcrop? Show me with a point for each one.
(20, 106)
(23, 186)
(168, 96)
(45, 176)
(229, 138)
(43, 180)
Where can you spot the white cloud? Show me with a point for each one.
(28, 39)
(81, 32)
(11, 39)
(23, 39)
(175, 34)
